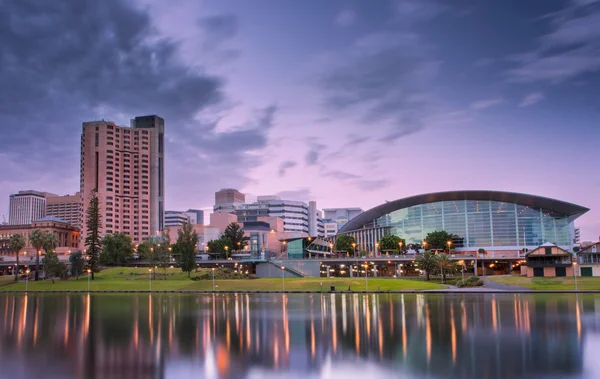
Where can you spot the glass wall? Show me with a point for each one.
(479, 224)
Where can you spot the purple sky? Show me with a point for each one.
(349, 103)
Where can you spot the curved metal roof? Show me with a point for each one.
(555, 206)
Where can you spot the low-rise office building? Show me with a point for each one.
(548, 260)
(66, 234)
(589, 260)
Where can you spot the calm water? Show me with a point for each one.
(299, 336)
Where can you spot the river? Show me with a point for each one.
(299, 336)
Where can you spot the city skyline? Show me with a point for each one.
(340, 102)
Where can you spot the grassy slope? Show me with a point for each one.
(112, 279)
(583, 283)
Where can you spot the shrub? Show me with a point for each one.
(221, 273)
(472, 281)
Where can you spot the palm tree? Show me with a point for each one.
(16, 243)
(235, 234)
(37, 238)
(50, 242)
(427, 262)
(445, 266)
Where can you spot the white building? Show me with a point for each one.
(341, 215)
(26, 207)
(297, 216)
(178, 218)
(330, 228)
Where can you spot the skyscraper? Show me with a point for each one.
(125, 165)
(26, 207)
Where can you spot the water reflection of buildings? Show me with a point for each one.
(115, 336)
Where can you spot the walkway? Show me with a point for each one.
(502, 287)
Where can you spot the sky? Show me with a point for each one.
(346, 102)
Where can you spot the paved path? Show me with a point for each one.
(502, 287)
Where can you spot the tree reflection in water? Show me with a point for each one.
(293, 335)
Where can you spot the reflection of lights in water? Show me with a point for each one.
(494, 314)
(516, 312)
(210, 364)
(222, 360)
(463, 311)
(453, 333)
(380, 336)
(404, 336)
(420, 307)
(367, 310)
(286, 324)
(248, 336)
(150, 324)
(228, 334)
(237, 313)
(66, 331)
(312, 339)
(356, 325)
(344, 319)
(428, 333)
(391, 303)
(578, 316)
(333, 323)
(23, 321)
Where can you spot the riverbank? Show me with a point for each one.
(548, 284)
(137, 279)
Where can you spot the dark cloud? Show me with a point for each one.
(386, 79)
(570, 49)
(65, 62)
(314, 151)
(284, 166)
(220, 27)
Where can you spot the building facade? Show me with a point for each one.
(228, 200)
(125, 165)
(67, 236)
(341, 215)
(68, 208)
(295, 214)
(178, 218)
(549, 260)
(498, 222)
(589, 260)
(26, 207)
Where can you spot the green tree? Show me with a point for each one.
(391, 242)
(92, 239)
(427, 262)
(50, 242)
(37, 238)
(77, 263)
(344, 242)
(117, 250)
(235, 234)
(438, 239)
(16, 243)
(53, 267)
(162, 251)
(185, 248)
(223, 246)
(444, 266)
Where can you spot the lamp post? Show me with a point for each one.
(213, 277)
(226, 251)
(26, 280)
(331, 248)
(575, 275)
(366, 276)
(400, 247)
(425, 245)
(449, 243)
(282, 278)
(150, 278)
(377, 249)
(89, 276)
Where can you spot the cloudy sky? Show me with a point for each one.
(346, 102)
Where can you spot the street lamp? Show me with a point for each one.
(331, 248)
(150, 278)
(213, 277)
(26, 279)
(366, 276)
(425, 245)
(282, 278)
(449, 243)
(226, 250)
(89, 276)
(400, 247)
(354, 247)
(574, 275)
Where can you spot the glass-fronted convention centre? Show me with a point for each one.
(490, 220)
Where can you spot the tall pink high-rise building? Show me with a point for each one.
(125, 165)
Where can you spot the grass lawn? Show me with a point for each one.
(583, 283)
(122, 278)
